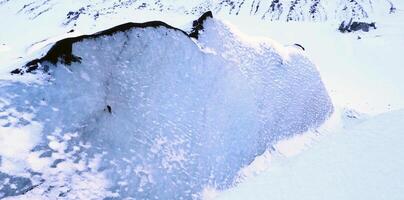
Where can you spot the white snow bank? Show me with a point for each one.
(164, 115)
(361, 162)
(363, 74)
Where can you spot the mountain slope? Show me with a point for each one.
(285, 10)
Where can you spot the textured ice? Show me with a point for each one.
(150, 113)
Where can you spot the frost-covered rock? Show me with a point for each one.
(145, 111)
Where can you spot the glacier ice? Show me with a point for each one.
(151, 113)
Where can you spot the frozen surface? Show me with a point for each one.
(151, 114)
(362, 71)
(51, 155)
(363, 161)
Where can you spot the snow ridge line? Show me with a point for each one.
(61, 51)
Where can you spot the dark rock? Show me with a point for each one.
(109, 109)
(298, 45)
(73, 16)
(61, 51)
(353, 26)
(198, 24)
(392, 8)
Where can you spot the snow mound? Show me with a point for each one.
(148, 112)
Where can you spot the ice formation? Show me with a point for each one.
(145, 111)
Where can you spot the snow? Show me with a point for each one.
(69, 146)
(352, 69)
(361, 162)
(51, 25)
(180, 111)
(361, 157)
(14, 155)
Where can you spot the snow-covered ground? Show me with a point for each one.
(360, 159)
(363, 74)
(364, 161)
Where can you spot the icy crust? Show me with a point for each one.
(150, 113)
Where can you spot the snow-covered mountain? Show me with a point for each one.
(284, 10)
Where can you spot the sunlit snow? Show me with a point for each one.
(240, 113)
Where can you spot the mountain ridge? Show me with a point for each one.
(273, 10)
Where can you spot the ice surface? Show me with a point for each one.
(363, 161)
(364, 74)
(150, 113)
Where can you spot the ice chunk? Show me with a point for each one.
(151, 113)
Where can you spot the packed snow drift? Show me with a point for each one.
(145, 111)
